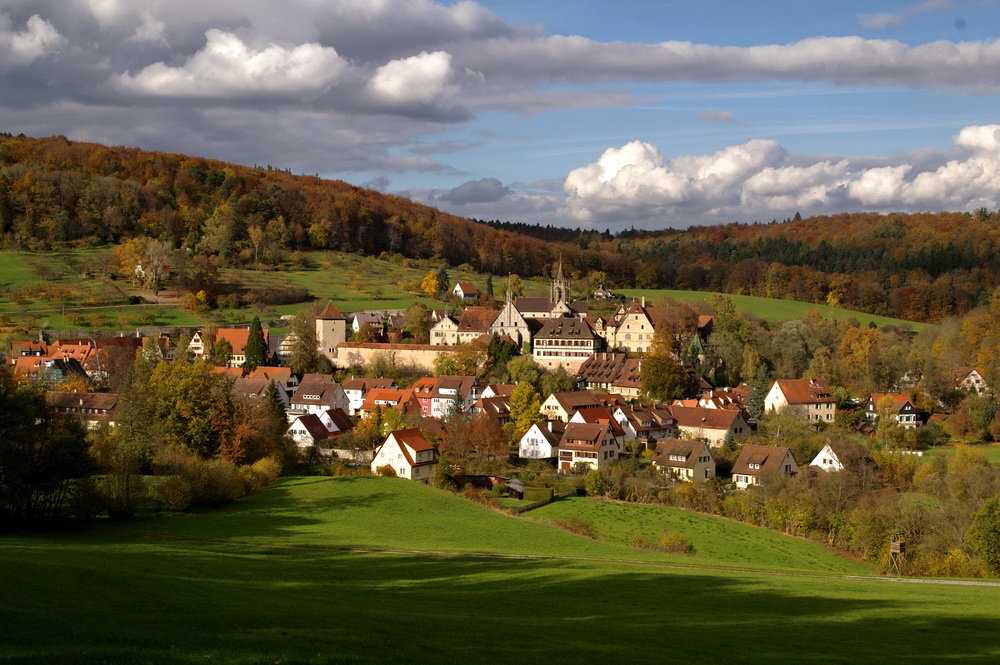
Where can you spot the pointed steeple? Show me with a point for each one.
(560, 287)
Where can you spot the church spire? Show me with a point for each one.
(560, 287)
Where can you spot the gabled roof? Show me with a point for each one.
(700, 417)
(312, 424)
(316, 389)
(462, 385)
(340, 420)
(806, 391)
(330, 312)
(551, 430)
(602, 367)
(574, 399)
(688, 450)
(425, 387)
(600, 415)
(91, 406)
(397, 399)
(498, 407)
(770, 459)
(899, 400)
(413, 438)
(566, 327)
(280, 375)
(467, 288)
(583, 436)
(477, 319)
(366, 384)
(237, 338)
(247, 387)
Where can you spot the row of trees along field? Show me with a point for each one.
(923, 267)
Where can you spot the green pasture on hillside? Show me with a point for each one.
(991, 451)
(253, 584)
(353, 282)
(716, 540)
(769, 309)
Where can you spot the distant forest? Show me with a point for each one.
(56, 193)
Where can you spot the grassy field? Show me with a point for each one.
(991, 451)
(769, 309)
(716, 540)
(49, 286)
(265, 591)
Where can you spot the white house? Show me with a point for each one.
(408, 454)
(809, 399)
(466, 291)
(541, 441)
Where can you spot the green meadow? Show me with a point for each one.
(281, 578)
(990, 451)
(769, 309)
(49, 287)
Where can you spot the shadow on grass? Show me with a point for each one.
(86, 601)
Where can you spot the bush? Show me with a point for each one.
(261, 473)
(174, 492)
(386, 471)
(672, 541)
(594, 483)
(284, 295)
(214, 482)
(579, 526)
(639, 541)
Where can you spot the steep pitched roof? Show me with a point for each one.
(330, 312)
(698, 416)
(677, 448)
(600, 415)
(899, 400)
(806, 391)
(575, 399)
(413, 438)
(602, 367)
(566, 327)
(769, 458)
(311, 422)
(477, 319)
(583, 436)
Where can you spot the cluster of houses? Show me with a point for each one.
(584, 428)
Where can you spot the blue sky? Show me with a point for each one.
(582, 113)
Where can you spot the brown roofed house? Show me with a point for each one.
(756, 462)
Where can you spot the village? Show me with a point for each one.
(601, 414)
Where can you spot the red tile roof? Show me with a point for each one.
(806, 391)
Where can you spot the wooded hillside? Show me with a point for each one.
(53, 191)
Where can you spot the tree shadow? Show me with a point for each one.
(183, 603)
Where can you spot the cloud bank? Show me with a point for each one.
(760, 179)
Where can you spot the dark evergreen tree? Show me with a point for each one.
(256, 349)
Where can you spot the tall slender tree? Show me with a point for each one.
(256, 349)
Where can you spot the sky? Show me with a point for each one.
(646, 114)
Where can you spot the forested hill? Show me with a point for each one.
(54, 191)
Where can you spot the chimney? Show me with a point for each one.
(644, 301)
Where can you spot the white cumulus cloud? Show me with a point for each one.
(759, 180)
(228, 67)
(422, 78)
(39, 39)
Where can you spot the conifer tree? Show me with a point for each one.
(256, 349)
